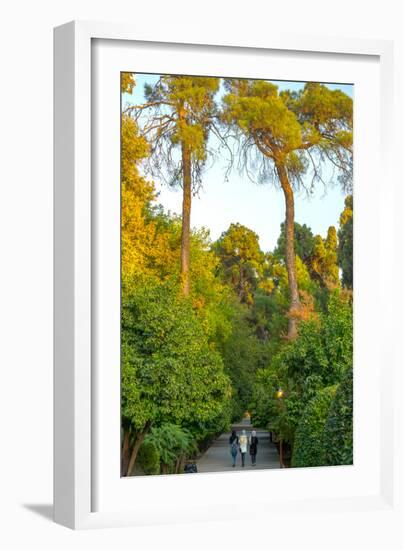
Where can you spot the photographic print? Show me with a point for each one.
(236, 274)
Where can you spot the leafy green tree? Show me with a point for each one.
(270, 309)
(263, 406)
(243, 354)
(178, 115)
(291, 132)
(269, 316)
(323, 263)
(338, 433)
(318, 358)
(345, 250)
(324, 348)
(136, 193)
(169, 371)
(241, 259)
(173, 444)
(149, 457)
(303, 242)
(308, 445)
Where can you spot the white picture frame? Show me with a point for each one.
(78, 474)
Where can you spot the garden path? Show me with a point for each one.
(218, 458)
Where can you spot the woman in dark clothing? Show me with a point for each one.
(233, 444)
(253, 442)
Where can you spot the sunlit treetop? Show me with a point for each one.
(127, 83)
(178, 112)
(297, 130)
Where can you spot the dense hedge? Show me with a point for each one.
(308, 444)
(149, 458)
(338, 434)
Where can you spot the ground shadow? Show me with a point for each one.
(44, 510)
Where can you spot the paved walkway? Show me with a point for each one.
(218, 458)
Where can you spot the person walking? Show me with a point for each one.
(243, 446)
(253, 442)
(234, 444)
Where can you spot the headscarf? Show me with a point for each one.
(253, 434)
(243, 441)
(233, 436)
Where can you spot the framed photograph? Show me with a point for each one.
(218, 263)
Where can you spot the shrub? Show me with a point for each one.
(149, 458)
(172, 443)
(308, 444)
(338, 434)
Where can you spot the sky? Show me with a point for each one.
(259, 207)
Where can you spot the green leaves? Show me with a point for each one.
(241, 260)
(327, 110)
(309, 447)
(189, 363)
(317, 359)
(338, 433)
(169, 372)
(170, 441)
(345, 249)
(149, 457)
(296, 130)
(259, 111)
(179, 114)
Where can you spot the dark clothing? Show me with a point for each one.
(243, 458)
(253, 446)
(234, 444)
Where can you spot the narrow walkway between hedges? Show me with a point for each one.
(218, 458)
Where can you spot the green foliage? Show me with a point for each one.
(127, 82)
(243, 354)
(264, 407)
(323, 262)
(292, 129)
(324, 348)
(303, 242)
(308, 444)
(338, 433)
(190, 365)
(149, 457)
(171, 442)
(169, 372)
(134, 149)
(317, 358)
(241, 260)
(268, 315)
(180, 111)
(345, 249)
(256, 108)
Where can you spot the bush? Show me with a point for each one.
(170, 372)
(338, 434)
(149, 458)
(308, 445)
(172, 443)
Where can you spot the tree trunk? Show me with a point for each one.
(137, 444)
(186, 207)
(295, 304)
(125, 452)
(177, 465)
(180, 463)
